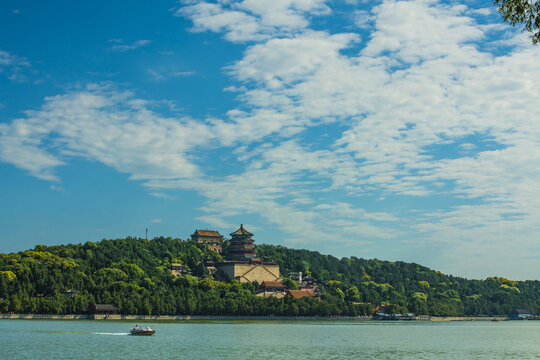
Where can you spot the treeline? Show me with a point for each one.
(407, 287)
(134, 275)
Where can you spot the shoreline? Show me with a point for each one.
(173, 318)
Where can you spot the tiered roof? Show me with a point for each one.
(241, 231)
(212, 233)
(241, 247)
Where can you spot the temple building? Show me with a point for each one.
(212, 238)
(242, 246)
(241, 261)
(274, 289)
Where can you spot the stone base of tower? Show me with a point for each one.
(249, 271)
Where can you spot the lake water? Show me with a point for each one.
(87, 339)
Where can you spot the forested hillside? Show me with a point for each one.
(408, 287)
(134, 274)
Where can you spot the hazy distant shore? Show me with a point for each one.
(246, 318)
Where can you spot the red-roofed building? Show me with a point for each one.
(273, 285)
(298, 294)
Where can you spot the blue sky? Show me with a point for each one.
(398, 130)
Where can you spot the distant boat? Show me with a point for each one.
(146, 331)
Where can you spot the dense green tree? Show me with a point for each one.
(524, 12)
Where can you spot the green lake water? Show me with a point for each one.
(87, 339)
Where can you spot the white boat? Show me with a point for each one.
(142, 331)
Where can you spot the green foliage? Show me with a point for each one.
(526, 12)
(10, 276)
(420, 296)
(134, 274)
(353, 294)
(290, 284)
(411, 287)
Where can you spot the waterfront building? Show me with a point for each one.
(212, 238)
(520, 314)
(105, 309)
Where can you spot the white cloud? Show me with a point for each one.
(270, 187)
(252, 20)
(215, 221)
(415, 31)
(161, 195)
(363, 19)
(420, 82)
(162, 75)
(283, 62)
(13, 66)
(119, 46)
(20, 146)
(7, 59)
(103, 125)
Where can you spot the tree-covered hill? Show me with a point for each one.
(408, 286)
(134, 274)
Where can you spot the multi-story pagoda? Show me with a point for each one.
(242, 245)
(241, 263)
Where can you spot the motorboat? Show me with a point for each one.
(142, 331)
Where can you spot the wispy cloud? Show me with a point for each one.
(160, 75)
(13, 66)
(120, 46)
(250, 20)
(57, 188)
(161, 195)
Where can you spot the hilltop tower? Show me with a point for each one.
(241, 262)
(242, 246)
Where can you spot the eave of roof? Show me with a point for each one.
(214, 233)
(273, 284)
(241, 231)
(298, 294)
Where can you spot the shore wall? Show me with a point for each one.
(467, 318)
(47, 316)
(180, 317)
(231, 318)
